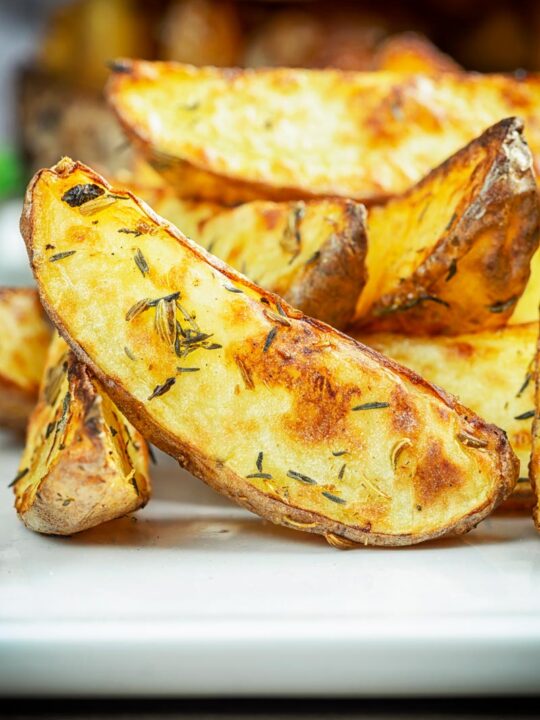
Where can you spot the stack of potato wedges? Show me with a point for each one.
(318, 290)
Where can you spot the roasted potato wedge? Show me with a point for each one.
(237, 135)
(279, 411)
(25, 338)
(526, 309)
(534, 467)
(411, 53)
(453, 254)
(311, 253)
(490, 372)
(83, 462)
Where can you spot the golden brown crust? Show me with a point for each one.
(412, 53)
(83, 463)
(452, 254)
(297, 353)
(366, 136)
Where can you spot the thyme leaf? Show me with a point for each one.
(62, 255)
(301, 477)
(163, 388)
(371, 406)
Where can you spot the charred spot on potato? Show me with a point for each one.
(80, 194)
(436, 475)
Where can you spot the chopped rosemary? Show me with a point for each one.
(165, 321)
(270, 339)
(451, 221)
(136, 309)
(261, 475)
(471, 441)
(187, 369)
(371, 406)
(128, 352)
(339, 453)
(133, 482)
(50, 428)
(528, 378)
(113, 430)
(342, 471)
(281, 318)
(291, 242)
(140, 262)
(523, 479)
(232, 289)
(259, 461)
(127, 231)
(525, 415)
(452, 269)
(301, 477)
(62, 255)
(80, 194)
(334, 498)
(163, 388)
(18, 476)
(503, 305)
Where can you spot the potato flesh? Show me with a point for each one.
(527, 306)
(363, 135)
(293, 401)
(25, 338)
(83, 462)
(490, 372)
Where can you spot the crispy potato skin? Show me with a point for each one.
(452, 255)
(534, 466)
(490, 372)
(278, 383)
(311, 253)
(23, 349)
(83, 463)
(285, 134)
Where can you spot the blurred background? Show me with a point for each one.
(54, 53)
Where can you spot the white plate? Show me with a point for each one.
(198, 597)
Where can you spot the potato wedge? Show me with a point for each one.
(311, 253)
(25, 336)
(83, 463)
(411, 53)
(279, 411)
(285, 134)
(490, 372)
(526, 309)
(534, 467)
(452, 255)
